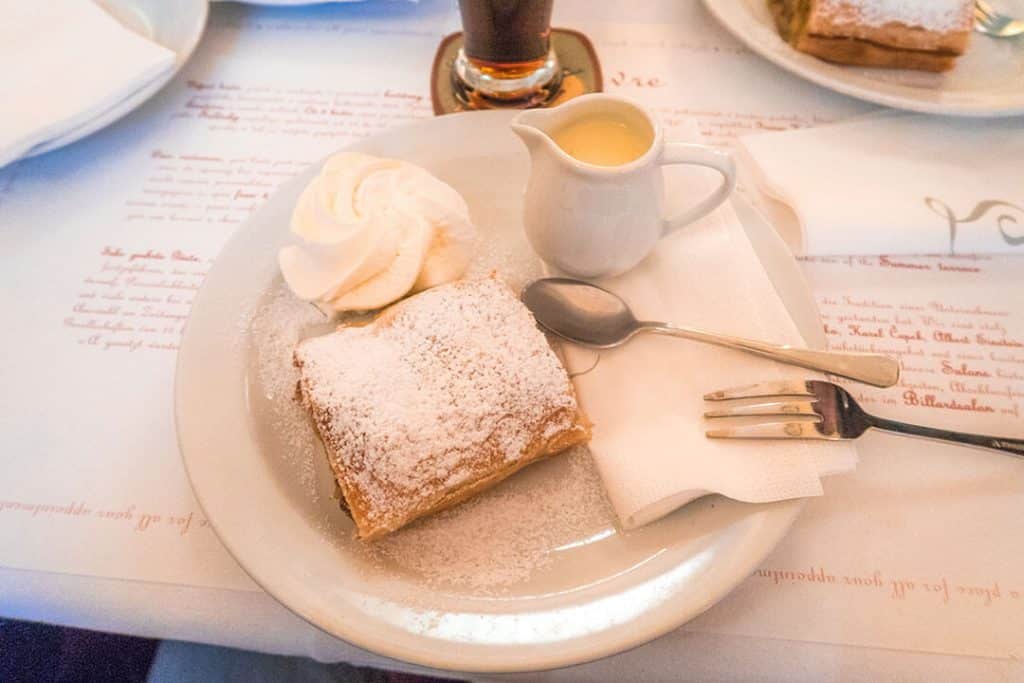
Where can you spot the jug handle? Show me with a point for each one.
(699, 155)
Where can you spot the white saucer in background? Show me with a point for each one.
(987, 81)
(178, 26)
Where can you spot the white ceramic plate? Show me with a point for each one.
(178, 26)
(602, 593)
(987, 81)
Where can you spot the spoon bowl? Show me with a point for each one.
(580, 312)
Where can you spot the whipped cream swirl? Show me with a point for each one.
(370, 230)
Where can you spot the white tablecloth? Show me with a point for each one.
(639, 45)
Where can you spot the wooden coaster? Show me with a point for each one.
(581, 74)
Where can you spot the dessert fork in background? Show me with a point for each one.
(996, 24)
(824, 411)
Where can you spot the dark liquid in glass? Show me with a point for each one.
(506, 35)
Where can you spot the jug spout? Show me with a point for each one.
(532, 128)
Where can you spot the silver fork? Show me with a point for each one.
(824, 411)
(993, 23)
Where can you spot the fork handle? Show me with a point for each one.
(1014, 446)
(871, 368)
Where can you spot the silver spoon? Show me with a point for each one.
(592, 316)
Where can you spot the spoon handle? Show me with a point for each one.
(871, 368)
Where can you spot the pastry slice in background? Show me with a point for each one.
(926, 35)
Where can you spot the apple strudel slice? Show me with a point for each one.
(443, 395)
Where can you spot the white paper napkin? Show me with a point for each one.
(897, 184)
(65, 62)
(645, 398)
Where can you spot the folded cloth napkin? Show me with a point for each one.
(896, 184)
(64, 63)
(645, 398)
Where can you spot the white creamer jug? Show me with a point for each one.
(598, 211)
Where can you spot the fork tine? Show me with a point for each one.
(778, 388)
(770, 408)
(771, 430)
(990, 21)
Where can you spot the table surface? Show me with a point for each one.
(247, 618)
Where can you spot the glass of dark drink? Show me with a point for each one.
(506, 53)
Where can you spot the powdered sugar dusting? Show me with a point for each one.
(508, 254)
(934, 15)
(276, 327)
(441, 390)
(502, 537)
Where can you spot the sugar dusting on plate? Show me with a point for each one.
(503, 536)
(277, 325)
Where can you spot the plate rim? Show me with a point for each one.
(129, 104)
(734, 14)
(772, 522)
(287, 3)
